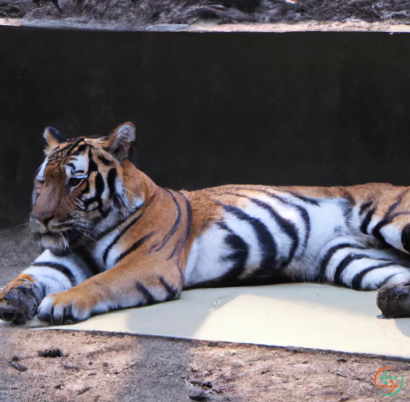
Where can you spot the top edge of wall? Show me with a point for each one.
(279, 27)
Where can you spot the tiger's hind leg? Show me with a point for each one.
(347, 262)
(393, 229)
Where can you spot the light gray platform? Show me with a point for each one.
(300, 315)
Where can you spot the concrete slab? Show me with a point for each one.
(301, 315)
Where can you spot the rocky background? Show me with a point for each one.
(148, 12)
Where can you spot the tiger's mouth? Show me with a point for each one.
(55, 242)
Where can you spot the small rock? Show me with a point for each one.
(70, 366)
(59, 386)
(342, 360)
(341, 375)
(198, 396)
(213, 344)
(82, 391)
(18, 366)
(294, 349)
(15, 358)
(51, 353)
(105, 364)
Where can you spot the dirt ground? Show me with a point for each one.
(101, 367)
(49, 365)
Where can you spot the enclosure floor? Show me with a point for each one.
(127, 368)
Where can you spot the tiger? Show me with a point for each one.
(113, 239)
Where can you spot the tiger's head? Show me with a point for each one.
(81, 186)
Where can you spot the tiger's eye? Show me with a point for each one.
(74, 182)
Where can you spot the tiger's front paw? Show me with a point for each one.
(69, 305)
(19, 300)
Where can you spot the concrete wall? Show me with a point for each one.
(294, 108)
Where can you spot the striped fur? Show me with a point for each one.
(114, 239)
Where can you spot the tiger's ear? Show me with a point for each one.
(53, 138)
(121, 139)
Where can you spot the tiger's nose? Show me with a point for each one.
(43, 218)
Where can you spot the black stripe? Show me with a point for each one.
(388, 218)
(308, 200)
(265, 239)
(137, 244)
(366, 220)
(337, 279)
(303, 214)
(80, 149)
(99, 185)
(239, 255)
(104, 160)
(99, 189)
(189, 217)
(58, 267)
(172, 292)
(111, 176)
(286, 225)
(174, 227)
(365, 206)
(405, 237)
(92, 166)
(122, 232)
(99, 236)
(149, 298)
(383, 283)
(181, 243)
(348, 196)
(71, 147)
(397, 203)
(376, 230)
(302, 211)
(357, 280)
(330, 253)
(347, 205)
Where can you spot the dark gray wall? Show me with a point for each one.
(294, 108)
